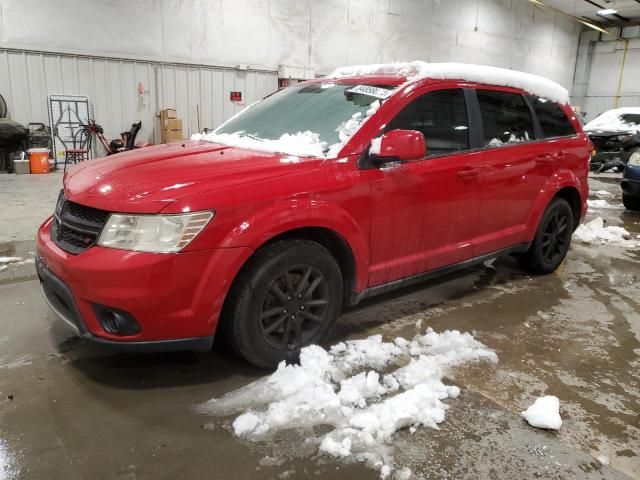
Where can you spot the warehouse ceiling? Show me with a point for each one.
(627, 11)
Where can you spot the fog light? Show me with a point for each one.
(116, 322)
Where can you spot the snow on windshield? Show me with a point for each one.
(534, 84)
(617, 120)
(352, 395)
(309, 120)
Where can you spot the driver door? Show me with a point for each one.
(424, 212)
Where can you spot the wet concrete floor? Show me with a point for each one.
(72, 410)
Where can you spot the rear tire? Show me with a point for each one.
(631, 203)
(287, 297)
(552, 241)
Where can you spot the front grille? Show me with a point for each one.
(76, 227)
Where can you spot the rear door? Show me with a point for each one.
(516, 165)
(424, 212)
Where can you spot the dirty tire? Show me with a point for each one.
(287, 297)
(631, 203)
(552, 240)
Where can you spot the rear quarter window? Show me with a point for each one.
(553, 121)
(506, 118)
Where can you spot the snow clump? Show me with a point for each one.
(300, 143)
(595, 233)
(544, 413)
(346, 390)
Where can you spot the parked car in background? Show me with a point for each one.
(321, 195)
(615, 135)
(631, 183)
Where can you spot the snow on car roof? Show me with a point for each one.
(612, 120)
(534, 84)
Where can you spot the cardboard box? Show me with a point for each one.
(168, 113)
(169, 136)
(172, 124)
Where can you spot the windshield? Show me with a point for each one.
(631, 119)
(327, 113)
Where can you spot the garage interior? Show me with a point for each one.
(73, 409)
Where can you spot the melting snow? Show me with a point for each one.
(300, 143)
(346, 389)
(534, 84)
(601, 204)
(611, 121)
(544, 413)
(8, 469)
(10, 259)
(594, 232)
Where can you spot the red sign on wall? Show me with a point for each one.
(235, 96)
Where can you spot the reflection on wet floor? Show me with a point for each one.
(574, 334)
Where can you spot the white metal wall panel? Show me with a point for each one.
(27, 78)
(190, 89)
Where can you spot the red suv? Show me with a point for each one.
(321, 195)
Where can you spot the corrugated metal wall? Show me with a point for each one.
(27, 78)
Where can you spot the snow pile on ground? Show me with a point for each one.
(594, 232)
(8, 469)
(534, 84)
(10, 259)
(300, 143)
(346, 390)
(544, 413)
(603, 193)
(611, 121)
(601, 203)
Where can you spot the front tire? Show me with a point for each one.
(287, 297)
(631, 203)
(552, 241)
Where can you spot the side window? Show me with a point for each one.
(506, 118)
(441, 116)
(553, 121)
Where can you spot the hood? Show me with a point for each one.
(148, 179)
(596, 132)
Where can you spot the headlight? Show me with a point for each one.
(634, 159)
(153, 233)
(624, 138)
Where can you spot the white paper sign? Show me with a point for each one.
(376, 92)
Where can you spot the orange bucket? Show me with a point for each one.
(39, 160)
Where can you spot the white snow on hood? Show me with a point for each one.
(534, 84)
(304, 144)
(611, 120)
(346, 390)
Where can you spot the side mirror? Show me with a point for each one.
(403, 145)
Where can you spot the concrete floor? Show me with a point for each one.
(71, 410)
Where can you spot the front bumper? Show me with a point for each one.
(630, 188)
(176, 299)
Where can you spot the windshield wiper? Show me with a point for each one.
(252, 136)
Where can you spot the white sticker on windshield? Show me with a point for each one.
(376, 92)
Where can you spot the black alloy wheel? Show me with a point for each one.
(552, 241)
(288, 296)
(554, 237)
(295, 307)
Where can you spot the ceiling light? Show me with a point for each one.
(607, 11)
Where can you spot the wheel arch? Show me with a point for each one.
(573, 198)
(566, 185)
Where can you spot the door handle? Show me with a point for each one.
(469, 172)
(561, 155)
(546, 159)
